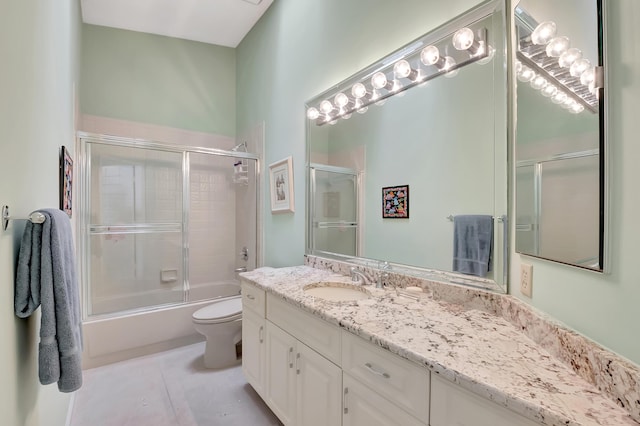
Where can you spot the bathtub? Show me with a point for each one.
(136, 334)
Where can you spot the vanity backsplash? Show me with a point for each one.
(616, 377)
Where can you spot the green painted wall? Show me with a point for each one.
(302, 47)
(39, 43)
(159, 80)
(299, 49)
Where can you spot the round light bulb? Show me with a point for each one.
(579, 66)
(559, 98)
(539, 82)
(402, 69)
(362, 110)
(341, 100)
(326, 107)
(490, 54)
(358, 90)
(592, 88)
(569, 57)
(549, 90)
(588, 76)
(544, 32)
(576, 108)
(430, 55)
(557, 46)
(347, 116)
(333, 123)
(568, 103)
(379, 80)
(526, 74)
(463, 39)
(518, 66)
(313, 113)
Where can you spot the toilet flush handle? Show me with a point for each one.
(241, 269)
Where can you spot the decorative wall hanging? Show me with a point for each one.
(66, 181)
(281, 185)
(395, 202)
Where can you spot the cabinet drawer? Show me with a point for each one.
(253, 298)
(453, 405)
(363, 407)
(397, 379)
(319, 335)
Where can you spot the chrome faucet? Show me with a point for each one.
(357, 276)
(385, 267)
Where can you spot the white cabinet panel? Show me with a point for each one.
(281, 375)
(453, 406)
(253, 298)
(402, 382)
(319, 335)
(363, 407)
(253, 349)
(319, 389)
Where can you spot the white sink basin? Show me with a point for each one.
(337, 291)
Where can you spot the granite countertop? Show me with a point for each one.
(477, 350)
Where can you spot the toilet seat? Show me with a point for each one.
(218, 312)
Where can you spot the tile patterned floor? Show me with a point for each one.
(171, 388)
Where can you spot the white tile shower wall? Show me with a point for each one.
(212, 219)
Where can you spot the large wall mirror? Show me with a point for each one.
(403, 152)
(560, 146)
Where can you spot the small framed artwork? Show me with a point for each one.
(66, 181)
(281, 185)
(395, 202)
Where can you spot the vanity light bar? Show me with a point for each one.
(560, 72)
(415, 65)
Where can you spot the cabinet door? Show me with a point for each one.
(364, 407)
(281, 374)
(253, 349)
(319, 389)
(452, 405)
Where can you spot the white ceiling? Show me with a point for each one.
(221, 22)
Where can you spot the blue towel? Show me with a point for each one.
(46, 277)
(472, 244)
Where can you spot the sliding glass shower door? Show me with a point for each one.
(135, 228)
(163, 224)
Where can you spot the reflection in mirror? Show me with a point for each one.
(432, 117)
(559, 149)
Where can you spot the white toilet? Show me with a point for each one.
(221, 324)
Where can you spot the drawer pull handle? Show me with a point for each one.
(297, 360)
(260, 334)
(372, 370)
(344, 401)
(290, 357)
(251, 297)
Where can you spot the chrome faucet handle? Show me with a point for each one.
(385, 267)
(357, 276)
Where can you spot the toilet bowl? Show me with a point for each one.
(221, 324)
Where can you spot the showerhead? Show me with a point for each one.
(242, 147)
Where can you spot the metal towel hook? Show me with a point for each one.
(35, 217)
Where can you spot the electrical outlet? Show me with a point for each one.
(526, 279)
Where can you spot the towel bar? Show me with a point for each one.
(498, 218)
(35, 217)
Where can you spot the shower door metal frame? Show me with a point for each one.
(313, 224)
(83, 219)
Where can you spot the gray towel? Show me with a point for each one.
(472, 243)
(46, 277)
